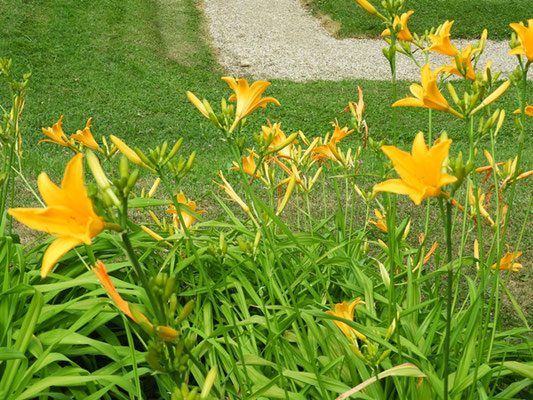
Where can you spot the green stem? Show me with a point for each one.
(449, 284)
(141, 275)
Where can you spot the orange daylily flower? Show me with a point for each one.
(165, 333)
(328, 150)
(345, 310)
(56, 134)
(420, 171)
(440, 43)
(248, 164)
(339, 133)
(188, 219)
(85, 136)
(505, 262)
(69, 214)
(526, 39)
(248, 98)
(279, 138)
(404, 33)
(465, 58)
(427, 95)
(528, 111)
(380, 222)
(100, 271)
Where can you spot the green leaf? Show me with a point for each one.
(7, 353)
(142, 202)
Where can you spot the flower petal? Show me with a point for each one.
(55, 251)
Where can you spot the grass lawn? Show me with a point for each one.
(347, 19)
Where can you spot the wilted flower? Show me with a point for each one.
(69, 214)
(404, 33)
(427, 95)
(526, 39)
(248, 97)
(420, 172)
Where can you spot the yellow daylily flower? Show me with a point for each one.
(248, 98)
(188, 219)
(69, 214)
(420, 172)
(528, 111)
(345, 310)
(279, 138)
(339, 133)
(526, 39)
(248, 164)
(440, 43)
(465, 58)
(404, 33)
(380, 221)
(427, 95)
(505, 262)
(85, 136)
(56, 134)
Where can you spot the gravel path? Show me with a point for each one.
(279, 39)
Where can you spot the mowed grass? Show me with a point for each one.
(471, 16)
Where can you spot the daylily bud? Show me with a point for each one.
(101, 179)
(173, 152)
(173, 304)
(369, 8)
(208, 383)
(383, 356)
(132, 179)
(187, 310)
(288, 193)
(169, 288)
(123, 167)
(453, 93)
(166, 333)
(500, 122)
(222, 244)
(358, 353)
(163, 150)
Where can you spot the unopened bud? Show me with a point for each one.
(187, 310)
(166, 333)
